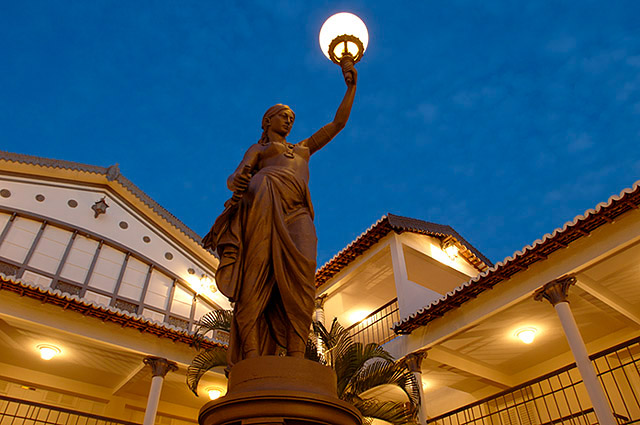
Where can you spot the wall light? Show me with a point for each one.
(207, 284)
(450, 248)
(48, 351)
(201, 284)
(526, 335)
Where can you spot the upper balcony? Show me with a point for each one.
(392, 270)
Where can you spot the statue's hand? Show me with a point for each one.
(241, 182)
(349, 73)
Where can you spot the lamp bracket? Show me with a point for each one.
(344, 39)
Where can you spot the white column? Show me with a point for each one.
(319, 317)
(414, 364)
(319, 313)
(556, 292)
(159, 368)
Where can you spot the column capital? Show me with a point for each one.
(319, 301)
(160, 366)
(414, 361)
(556, 291)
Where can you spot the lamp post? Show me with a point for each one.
(344, 38)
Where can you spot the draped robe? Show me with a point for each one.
(270, 275)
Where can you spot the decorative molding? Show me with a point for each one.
(113, 172)
(413, 361)
(319, 301)
(160, 366)
(556, 291)
(100, 207)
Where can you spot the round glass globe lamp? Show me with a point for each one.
(343, 34)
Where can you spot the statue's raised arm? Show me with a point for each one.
(329, 131)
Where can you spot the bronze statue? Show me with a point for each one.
(266, 239)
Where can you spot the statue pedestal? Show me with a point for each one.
(274, 390)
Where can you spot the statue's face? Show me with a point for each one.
(282, 122)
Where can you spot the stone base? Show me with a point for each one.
(274, 390)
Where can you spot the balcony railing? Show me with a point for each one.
(560, 397)
(376, 327)
(14, 411)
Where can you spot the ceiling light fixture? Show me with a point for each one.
(48, 351)
(214, 392)
(526, 335)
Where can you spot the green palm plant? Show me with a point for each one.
(211, 357)
(360, 368)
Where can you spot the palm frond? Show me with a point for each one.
(335, 341)
(395, 413)
(216, 320)
(311, 350)
(376, 373)
(203, 362)
(354, 358)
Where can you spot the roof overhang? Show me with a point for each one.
(398, 224)
(581, 227)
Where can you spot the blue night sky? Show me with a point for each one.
(503, 119)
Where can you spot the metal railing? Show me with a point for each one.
(560, 397)
(14, 411)
(376, 327)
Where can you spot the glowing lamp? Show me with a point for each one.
(449, 248)
(526, 335)
(214, 393)
(344, 37)
(202, 284)
(206, 283)
(47, 352)
(358, 315)
(451, 251)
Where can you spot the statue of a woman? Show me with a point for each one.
(266, 239)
